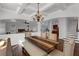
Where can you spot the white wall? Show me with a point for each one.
(71, 27)
(2, 28)
(67, 26)
(13, 27)
(62, 27)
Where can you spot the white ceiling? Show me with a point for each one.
(27, 10)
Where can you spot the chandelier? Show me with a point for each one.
(38, 16)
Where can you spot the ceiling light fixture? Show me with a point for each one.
(38, 16)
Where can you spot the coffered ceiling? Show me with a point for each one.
(25, 11)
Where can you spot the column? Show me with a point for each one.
(39, 28)
(50, 30)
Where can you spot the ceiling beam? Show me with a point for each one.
(47, 6)
(20, 8)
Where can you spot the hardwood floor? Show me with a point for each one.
(18, 50)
